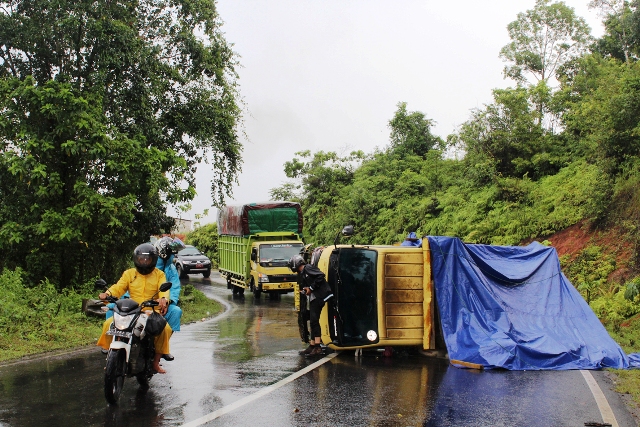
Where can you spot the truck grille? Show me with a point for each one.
(282, 278)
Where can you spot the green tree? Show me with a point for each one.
(320, 177)
(507, 138)
(542, 40)
(618, 20)
(205, 238)
(411, 132)
(106, 108)
(604, 111)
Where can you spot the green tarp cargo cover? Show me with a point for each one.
(243, 220)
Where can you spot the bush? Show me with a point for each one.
(205, 238)
(34, 319)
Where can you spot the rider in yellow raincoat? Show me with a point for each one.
(142, 282)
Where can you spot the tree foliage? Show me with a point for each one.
(106, 108)
(411, 133)
(542, 40)
(205, 238)
(618, 19)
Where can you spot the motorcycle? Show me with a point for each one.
(132, 349)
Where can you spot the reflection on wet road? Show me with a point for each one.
(254, 345)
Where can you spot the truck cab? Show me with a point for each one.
(269, 271)
(383, 296)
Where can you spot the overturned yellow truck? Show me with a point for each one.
(487, 306)
(383, 297)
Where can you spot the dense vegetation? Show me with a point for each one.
(558, 148)
(205, 238)
(106, 108)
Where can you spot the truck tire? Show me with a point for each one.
(256, 291)
(237, 290)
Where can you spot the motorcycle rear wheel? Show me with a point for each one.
(114, 375)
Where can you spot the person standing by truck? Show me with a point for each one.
(314, 285)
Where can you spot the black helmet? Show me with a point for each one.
(145, 257)
(295, 262)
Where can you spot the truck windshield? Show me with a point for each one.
(356, 296)
(279, 252)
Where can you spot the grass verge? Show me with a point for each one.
(628, 381)
(42, 320)
(196, 306)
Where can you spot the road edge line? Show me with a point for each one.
(603, 404)
(248, 399)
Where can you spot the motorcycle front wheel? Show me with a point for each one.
(114, 375)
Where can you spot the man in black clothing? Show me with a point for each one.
(315, 286)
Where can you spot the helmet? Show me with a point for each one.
(295, 262)
(177, 245)
(145, 257)
(155, 324)
(413, 237)
(163, 247)
(167, 246)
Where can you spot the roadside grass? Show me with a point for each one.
(66, 333)
(41, 319)
(627, 381)
(196, 306)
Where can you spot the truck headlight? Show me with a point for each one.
(263, 278)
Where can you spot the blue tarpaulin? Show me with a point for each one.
(511, 307)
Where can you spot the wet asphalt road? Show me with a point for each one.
(254, 345)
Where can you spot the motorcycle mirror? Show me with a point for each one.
(100, 285)
(165, 286)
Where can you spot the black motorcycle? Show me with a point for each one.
(132, 350)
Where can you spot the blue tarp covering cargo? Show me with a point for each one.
(511, 307)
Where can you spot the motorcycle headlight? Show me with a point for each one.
(122, 322)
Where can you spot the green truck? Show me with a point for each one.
(255, 242)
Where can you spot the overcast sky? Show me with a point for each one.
(328, 75)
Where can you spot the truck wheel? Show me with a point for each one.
(181, 272)
(229, 284)
(256, 291)
(237, 290)
(206, 274)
